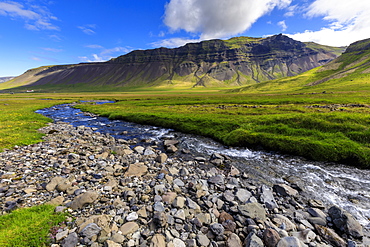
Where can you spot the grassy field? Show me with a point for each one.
(18, 122)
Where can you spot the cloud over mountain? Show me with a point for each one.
(217, 18)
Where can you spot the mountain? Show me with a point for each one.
(355, 60)
(234, 62)
(348, 72)
(7, 78)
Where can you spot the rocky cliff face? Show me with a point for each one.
(238, 61)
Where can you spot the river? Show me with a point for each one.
(334, 184)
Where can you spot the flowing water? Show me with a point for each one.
(334, 184)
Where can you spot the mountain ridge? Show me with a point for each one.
(235, 62)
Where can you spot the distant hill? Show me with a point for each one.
(215, 63)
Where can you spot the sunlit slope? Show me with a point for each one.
(348, 72)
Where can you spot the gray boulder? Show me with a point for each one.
(345, 222)
(290, 242)
(253, 240)
(85, 198)
(71, 240)
(253, 210)
(267, 197)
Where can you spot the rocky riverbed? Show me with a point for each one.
(122, 194)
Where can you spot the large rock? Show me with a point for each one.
(158, 240)
(271, 237)
(253, 210)
(283, 220)
(136, 170)
(233, 241)
(90, 230)
(306, 236)
(285, 190)
(192, 205)
(54, 183)
(290, 242)
(330, 236)
(345, 222)
(253, 240)
(86, 198)
(161, 158)
(56, 201)
(129, 227)
(203, 240)
(243, 195)
(217, 229)
(110, 243)
(218, 180)
(71, 240)
(122, 150)
(267, 197)
(178, 243)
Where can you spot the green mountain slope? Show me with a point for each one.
(215, 63)
(349, 72)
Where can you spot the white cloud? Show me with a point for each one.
(95, 58)
(55, 38)
(105, 51)
(36, 58)
(105, 54)
(95, 46)
(37, 19)
(283, 25)
(88, 29)
(348, 21)
(217, 18)
(174, 42)
(291, 10)
(52, 49)
(115, 50)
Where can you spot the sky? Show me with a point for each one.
(36, 33)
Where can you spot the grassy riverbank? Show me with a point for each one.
(325, 126)
(320, 126)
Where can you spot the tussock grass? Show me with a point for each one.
(29, 227)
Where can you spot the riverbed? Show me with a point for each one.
(335, 184)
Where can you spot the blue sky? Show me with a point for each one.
(36, 33)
